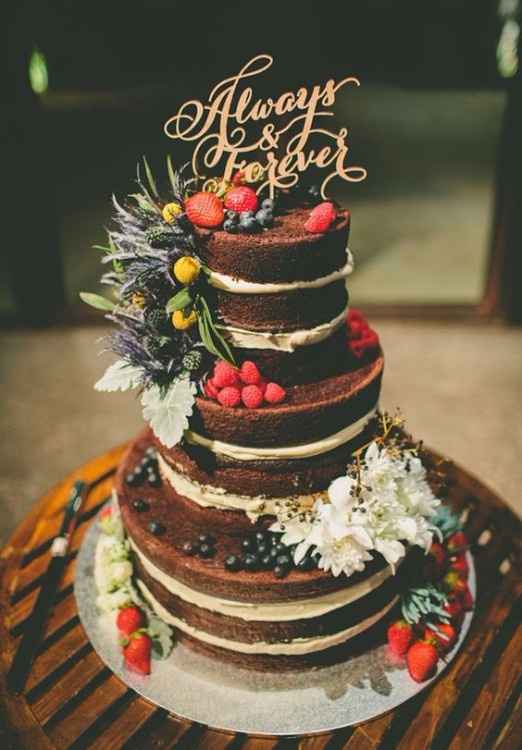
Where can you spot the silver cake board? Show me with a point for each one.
(229, 698)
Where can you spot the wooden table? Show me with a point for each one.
(72, 700)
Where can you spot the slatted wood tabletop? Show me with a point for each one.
(73, 701)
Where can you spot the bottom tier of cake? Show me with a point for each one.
(249, 617)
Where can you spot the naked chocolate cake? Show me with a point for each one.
(269, 509)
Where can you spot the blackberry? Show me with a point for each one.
(233, 563)
(193, 360)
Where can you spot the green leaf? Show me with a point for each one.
(179, 301)
(150, 178)
(172, 176)
(97, 301)
(210, 336)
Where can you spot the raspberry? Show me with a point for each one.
(241, 199)
(321, 218)
(355, 314)
(204, 210)
(229, 396)
(274, 394)
(356, 329)
(368, 341)
(224, 374)
(252, 396)
(249, 373)
(210, 389)
(262, 385)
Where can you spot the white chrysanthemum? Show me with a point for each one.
(168, 414)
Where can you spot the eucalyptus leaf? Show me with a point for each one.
(179, 301)
(97, 301)
(211, 337)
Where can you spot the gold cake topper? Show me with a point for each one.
(219, 128)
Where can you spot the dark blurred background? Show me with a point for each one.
(436, 230)
(91, 85)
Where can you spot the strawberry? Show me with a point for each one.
(252, 396)
(210, 389)
(445, 636)
(457, 541)
(249, 373)
(204, 210)
(241, 199)
(230, 396)
(274, 394)
(129, 620)
(422, 660)
(224, 374)
(460, 565)
(400, 636)
(137, 653)
(321, 218)
(454, 609)
(238, 178)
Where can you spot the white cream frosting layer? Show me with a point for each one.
(262, 611)
(304, 450)
(297, 647)
(285, 341)
(240, 286)
(217, 497)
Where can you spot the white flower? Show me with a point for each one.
(119, 573)
(108, 602)
(391, 508)
(120, 376)
(168, 415)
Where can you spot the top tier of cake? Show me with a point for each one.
(282, 294)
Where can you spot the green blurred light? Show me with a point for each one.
(38, 76)
(507, 49)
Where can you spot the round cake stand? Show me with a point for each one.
(73, 700)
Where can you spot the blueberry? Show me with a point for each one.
(314, 192)
(134, 479)
(273, 554)
(189, 548)
(281, 571)
(233, 563)
(281, 548)
(284, 560)
(230, 226)
(207, 539)
(151, 452)
(233, 216)
(248, 545)
(264, 218)
(249, 225)
(154, 479)
(267, 562)
(156, 528)
(140, 505)
(244, 215)
(206, 550)
(251, 562)
(268, 204)
(274, 539)
(263, 549)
